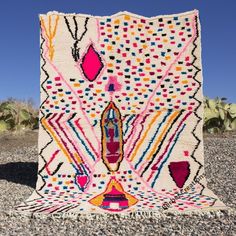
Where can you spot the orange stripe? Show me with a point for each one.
(144, 136)
(43, 24)
(78, 158)
(55, 28)
(162, 134)
(50, 35)
(57, 140)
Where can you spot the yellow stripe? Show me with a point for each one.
(78, 158)
(50, 26)
(144, 136)
(43, 24)
(173, 116)
(57, 140)
(55, 28)
(50, 35)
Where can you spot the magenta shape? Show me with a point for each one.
(116, 85)
(179, 172)
(113, 147)
(91, 64)
(82, 180)
(113, 158)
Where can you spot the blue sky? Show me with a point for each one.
(19, 39)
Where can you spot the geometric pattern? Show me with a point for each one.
(91, 64)
(120, 115)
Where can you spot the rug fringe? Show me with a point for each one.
(50, 13)
(209, 213)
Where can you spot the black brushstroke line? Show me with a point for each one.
(38, 209)
(85, 28)
(33, 208)
(26, 205)
(45, 208)
(124, 116)
(41, 108)
(199, 103)
(46, 145)
(57, 169)
(66, 209)
(213, 203)
(76, 27)
(161, 143)
(36, 191)
(40, 153)
(68, 26)
(62, 208)
(75, 50)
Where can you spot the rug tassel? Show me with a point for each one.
(211, 213)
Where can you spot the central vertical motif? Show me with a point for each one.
(114, 198)
(112, 141)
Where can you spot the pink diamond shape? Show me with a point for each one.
(91, 64)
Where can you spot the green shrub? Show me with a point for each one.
(17, 115)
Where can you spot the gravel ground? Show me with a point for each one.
(18, 167)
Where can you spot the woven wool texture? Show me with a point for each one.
(121, 115)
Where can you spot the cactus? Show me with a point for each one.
(17, 115)
(3, 126)
(219, 116)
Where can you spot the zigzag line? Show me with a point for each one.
(95, 123)
(42, 68)
(127, 122)
(47, 144)
(124, 117)
(199, 102)
(41, 196)
(139, 135)
(125, 141)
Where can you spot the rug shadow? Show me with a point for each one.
(24, 173)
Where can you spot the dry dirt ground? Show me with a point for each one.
(18, 168)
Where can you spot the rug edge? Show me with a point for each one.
(119, 13)
(161, 214)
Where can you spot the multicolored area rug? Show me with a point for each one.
(120, 116)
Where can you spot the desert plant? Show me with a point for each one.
(17, 115)
(219, 116)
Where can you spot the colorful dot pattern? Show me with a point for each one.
(150, 61)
